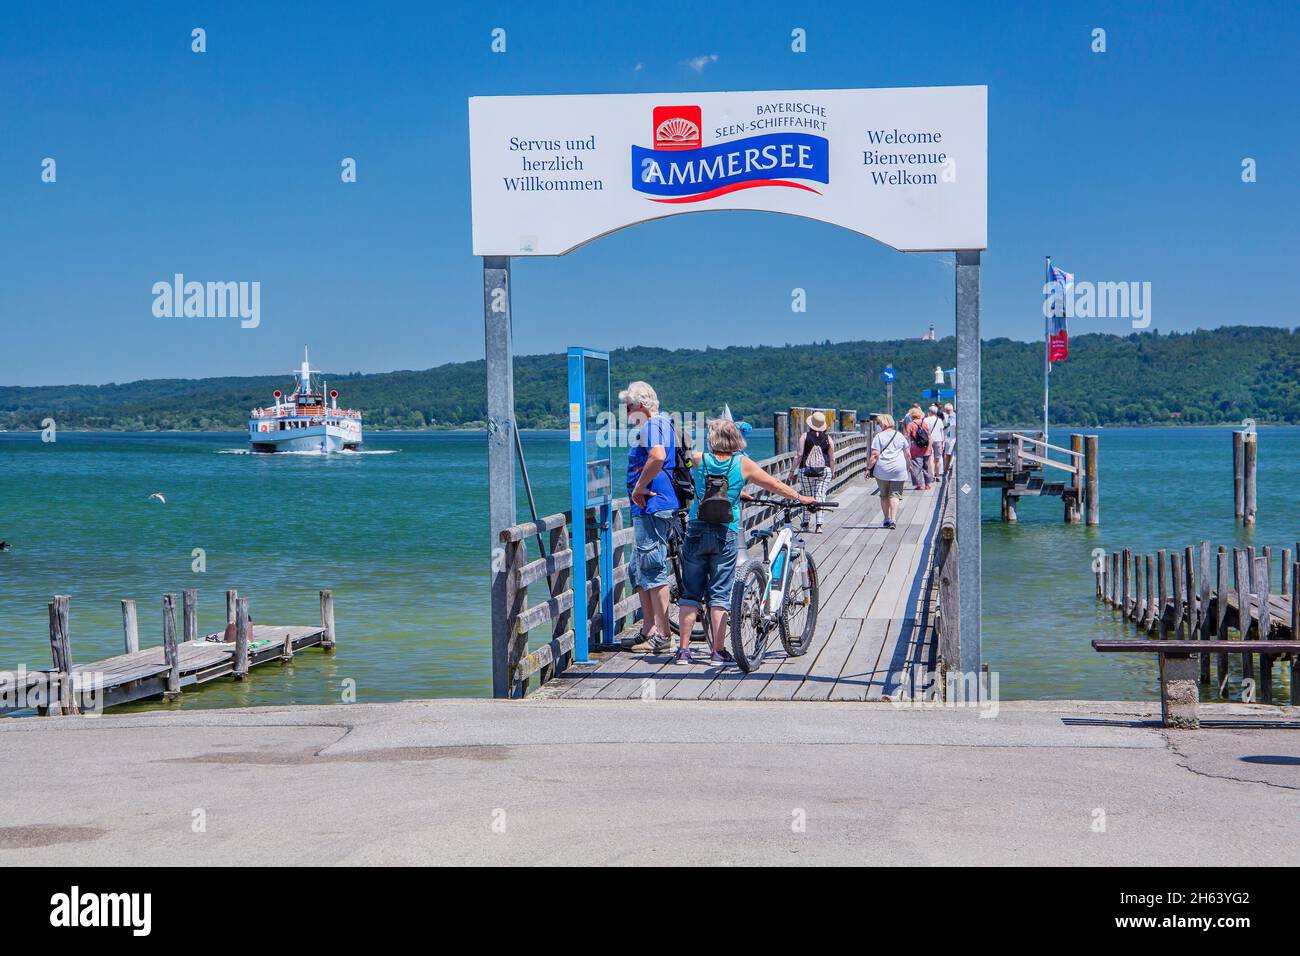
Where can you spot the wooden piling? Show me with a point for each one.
(1295, 629)
(781, 433)
(232, 597)
(1149, 622)
(1250, 450)
(1189, 591)
(190, 613)
(1241, 568)
(1092, 489)
(241, 638)
(1221, 616)
(130, 627)
(1238, 475)
(848, 419)
(1164, 594)
(1286, 579)
(1114, 578)
(1126, 559)
(1176, 580)
(327, 614)
(1263, 587)
(63, 699)
(171, 653)
(1139, 599)
(1074, 509)
(1203, 609)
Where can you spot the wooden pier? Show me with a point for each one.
(876, 627)
(1203, 594)
(1022, 466)
(70, 688)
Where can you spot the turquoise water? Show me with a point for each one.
(1160, 488)
(400, 534)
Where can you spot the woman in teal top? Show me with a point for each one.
(713, 533)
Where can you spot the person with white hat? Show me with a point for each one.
(814, 463)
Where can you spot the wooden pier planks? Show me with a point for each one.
(872, 626)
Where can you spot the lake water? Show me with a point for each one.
(399, 533)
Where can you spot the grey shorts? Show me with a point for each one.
(889, 488)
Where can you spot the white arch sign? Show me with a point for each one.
(907, 167)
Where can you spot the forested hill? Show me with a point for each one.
(1203, 377)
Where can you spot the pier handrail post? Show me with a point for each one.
(130, 627)
(1092, 485)
(967, 308)
(1074, 508)
(241, 639)
(327, 619)
(780, 433)
(498, 352)
(190, 614)
(170, 652)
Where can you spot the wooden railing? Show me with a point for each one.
(530, 609)
(1015, 450)
(947, 621)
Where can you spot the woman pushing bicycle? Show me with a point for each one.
(713, 533)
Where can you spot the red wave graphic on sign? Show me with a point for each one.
(732, 187)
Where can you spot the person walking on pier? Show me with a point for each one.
(712, 543)
(814, 463)
(934, 422)
(651, 458)
(949, 436)
(888, 464)
(918, 461)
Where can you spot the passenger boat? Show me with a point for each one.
(303, 422)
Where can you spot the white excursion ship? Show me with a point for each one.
(303, 422)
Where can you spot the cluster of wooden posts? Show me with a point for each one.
(788, 426)
(1197, 595)
(554, 565)
(1245, 456)
(129, 676)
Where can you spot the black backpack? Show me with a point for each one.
(681, 476)
(921, 437)
(715, 506)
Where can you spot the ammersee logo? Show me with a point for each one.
(75, 908)
(209, 300)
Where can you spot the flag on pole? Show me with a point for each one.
(1059, 283)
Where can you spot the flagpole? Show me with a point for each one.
(1047, 350)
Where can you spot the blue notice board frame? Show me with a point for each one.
(588, 456)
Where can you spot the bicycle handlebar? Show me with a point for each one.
(790, 504)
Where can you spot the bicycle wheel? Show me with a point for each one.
(799, 612)
(749, 629)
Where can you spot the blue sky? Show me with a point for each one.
(1123, 165)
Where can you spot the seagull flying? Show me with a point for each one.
(159, 496)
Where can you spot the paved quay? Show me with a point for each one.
(633, 782)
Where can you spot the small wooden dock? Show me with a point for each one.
(1199, 593)
(877, 624)
(164, 671)
(1022, 466)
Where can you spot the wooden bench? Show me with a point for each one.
(1180, 670)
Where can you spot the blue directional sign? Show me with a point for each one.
(939, 393)
(888, 374)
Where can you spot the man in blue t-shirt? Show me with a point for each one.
(651, 457)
